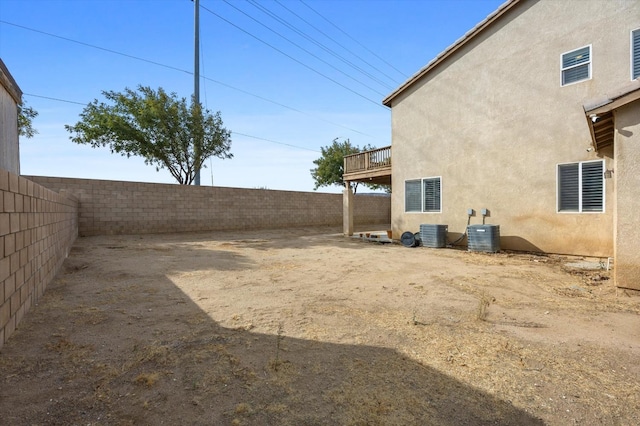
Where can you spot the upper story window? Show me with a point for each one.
(576, 65)
(635, 54)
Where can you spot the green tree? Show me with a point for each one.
(330, 166)
(157, 126)
(25, 121)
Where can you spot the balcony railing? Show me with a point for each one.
(368, 160)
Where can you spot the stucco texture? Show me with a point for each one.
(493, 121)
(627, 154)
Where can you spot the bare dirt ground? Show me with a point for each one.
(306, 327)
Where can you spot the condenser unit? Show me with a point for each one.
(433, 235)
(484, 238)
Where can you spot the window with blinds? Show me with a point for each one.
(412, 195)
(581, 187)
(431, 194)
(576, 65)
(635, 54)
(422, 195)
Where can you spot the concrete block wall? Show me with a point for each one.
(116, 207)
(37, 229)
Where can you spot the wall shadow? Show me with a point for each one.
(512, 242)
(108, 347)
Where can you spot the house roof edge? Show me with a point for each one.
(494, 16)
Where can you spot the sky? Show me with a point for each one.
(288, 76)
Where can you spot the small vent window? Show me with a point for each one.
(576, 65)
(581, 187)
(422, 195)
(635, 54)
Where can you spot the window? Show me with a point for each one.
(581, 187)
(431, 194)
(422, 195)
(576, 65)
(635, 54)
(412, 199)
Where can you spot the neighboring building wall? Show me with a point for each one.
(627, 177)
(37, 229)
(10, 97)
(493, 122)
(114, 207)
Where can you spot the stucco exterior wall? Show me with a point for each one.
(627, 176)
(115, 207)
(494, 122)
(10, 96)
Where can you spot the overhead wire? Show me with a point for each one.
(300, 47)
(187, 72)
(309, 38)
(292, 58)
(272, 141)
(353, 39)
(233, 132)
(54, 99)
(96, 47)
(342, 46)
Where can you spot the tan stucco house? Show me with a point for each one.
(10, 98)
(533, 118)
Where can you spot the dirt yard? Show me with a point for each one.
(306, 327)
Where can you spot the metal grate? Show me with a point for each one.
(484, 238)
(434, 235)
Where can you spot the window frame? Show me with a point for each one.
(589, 66)
(635, 73)
(422, 194)
(580, 209)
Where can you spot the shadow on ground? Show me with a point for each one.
(107, 346)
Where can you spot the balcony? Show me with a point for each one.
(369, 166)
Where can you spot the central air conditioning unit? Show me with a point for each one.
(433, 235)
(484, 238)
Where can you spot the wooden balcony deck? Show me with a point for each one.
(369, 166)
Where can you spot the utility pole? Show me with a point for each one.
(196, 73)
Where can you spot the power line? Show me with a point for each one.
(322, 46)
(298, 46)
(272, 141)
(342, 46)
(360, 44)
(54, 99)
(97, 47)
(288, 107)
(293, 59)
(187, 72)
(237, 133)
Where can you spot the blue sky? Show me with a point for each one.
(282, 103)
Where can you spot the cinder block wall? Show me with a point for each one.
(115, 207)
(37, 229)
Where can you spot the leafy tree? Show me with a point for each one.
(25, 121)
(157, 126)
(330, 166)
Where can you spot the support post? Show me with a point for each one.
(196, 73)
(347, 210)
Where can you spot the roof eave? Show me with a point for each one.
(599, 114)
(504, 8)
